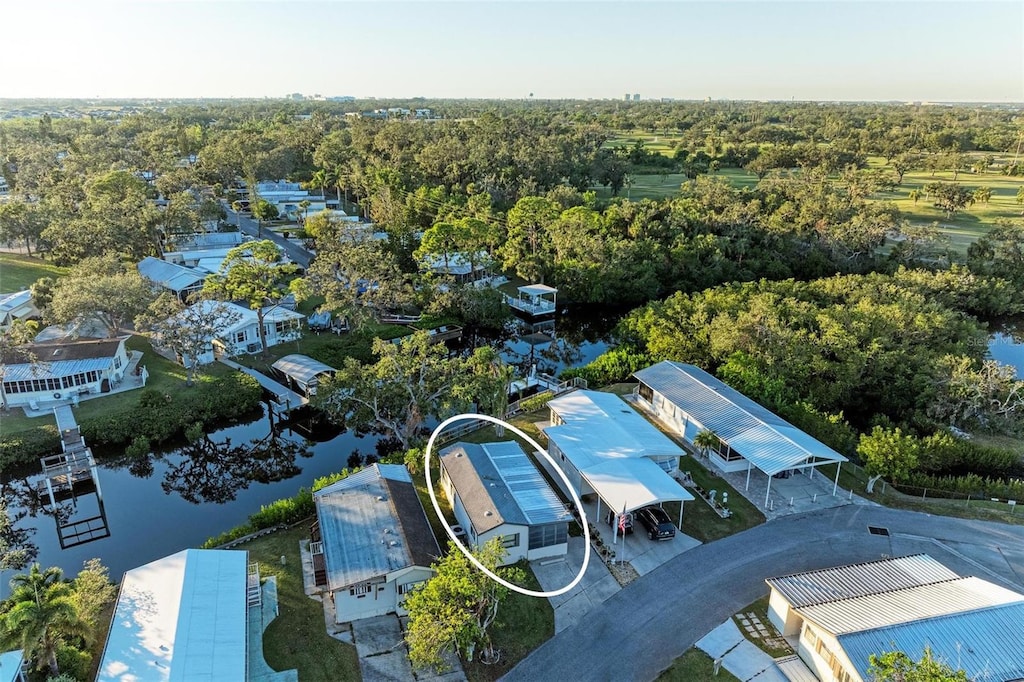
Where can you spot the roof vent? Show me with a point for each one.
(488, 513)
(57, 351)
(380, 498)
(393, 543)
(387, 531)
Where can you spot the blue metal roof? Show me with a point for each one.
(170, 275)
(987, 643)
(54, 370)
(770, 442)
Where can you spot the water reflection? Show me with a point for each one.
(211, 471)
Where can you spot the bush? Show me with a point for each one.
(24, 449)
(610, 367)
(535, 402)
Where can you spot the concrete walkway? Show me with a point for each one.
(597, 584)
(258, 620)
(384, 657)
(739, 656)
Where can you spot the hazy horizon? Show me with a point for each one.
(774, 51)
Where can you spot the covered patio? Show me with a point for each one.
(534, 299)
(302, 371)
(689, 401)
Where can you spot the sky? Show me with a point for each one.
(809, 50)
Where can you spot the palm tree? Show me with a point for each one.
(706, 440)
(304, 205)
(41, 616)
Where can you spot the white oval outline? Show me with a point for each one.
(451, 533)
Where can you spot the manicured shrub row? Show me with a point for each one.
(969, 484)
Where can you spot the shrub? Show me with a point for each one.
(535, 402)
(610, 367)
(24, 449)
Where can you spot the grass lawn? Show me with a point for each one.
(853, 477)
(330, 349)
(298, 638)
(522, 624)
(19, 272)
(164, 375)
(760, 609)
(695, 666)
(700, 521)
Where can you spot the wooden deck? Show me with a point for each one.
(285, 397)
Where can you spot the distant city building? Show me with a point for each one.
(636, 97)
(626, 97)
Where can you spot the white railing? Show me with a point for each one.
(316, 547)
(539, 307)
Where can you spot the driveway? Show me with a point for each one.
(637, 632)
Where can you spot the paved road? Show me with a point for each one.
(249, 226)
(637, 633)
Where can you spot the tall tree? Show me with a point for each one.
(103, 289)
(889, 454)
(411, 382)
(254, 273)
(21, 221)
(92, 592)
(186, 330)
(41, 616)
(16, 550)
(526, 249)
(263, 210)
(454, 610)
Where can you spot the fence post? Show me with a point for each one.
(924, 495)
(968, 502)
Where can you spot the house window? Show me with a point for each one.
(117, 362)
(646, 392)
(546, 536)
(409, 587)
(360, 590)
(509, 541)
(240, 336)
(811, 638)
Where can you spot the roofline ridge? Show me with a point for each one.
(926, 619)
(861, 563)
(894, 590)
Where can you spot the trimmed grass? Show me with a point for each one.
(330, 349)
(695, 666)
(760, 609)
(522, 624)
(164, 375)
(853, 477)
(298, 638)
(19, 272)
(700, 521)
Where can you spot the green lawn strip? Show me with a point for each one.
(298, 637)
(695, 666)
(522, 624)
(853, 477)
(330, 349)
(164, 375)
(760, 609)
(703, 523)
(19, 272)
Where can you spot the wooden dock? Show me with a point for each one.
(284, 397)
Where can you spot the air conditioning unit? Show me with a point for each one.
(253, 348)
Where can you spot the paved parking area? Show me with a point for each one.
(596, 586)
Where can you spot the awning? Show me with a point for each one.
(634, 483)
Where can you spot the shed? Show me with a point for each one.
(303, 372)
(496, 491)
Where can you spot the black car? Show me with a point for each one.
(659, 526)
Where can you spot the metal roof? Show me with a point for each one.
(170, 275)
(909, 604)
(302, 368)
(538, 289)
(10, 665)
(768, 441)
(183, 618)
(601, 411)
(9, 302)
(498, 484)
(857, 580)
(634, 483)
(363, 530)
(988, 643)
(55, 370)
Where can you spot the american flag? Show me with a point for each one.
(622, 520)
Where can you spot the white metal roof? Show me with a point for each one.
(10, 665)
(170, 275)
(183, 618)
(601, 410)
(244, 316)
(364, 535)
(909, 604)
(498, 484)
(537, 289)
(10, 302)
(633, 483)
(768, 441)
(302, 368)
(611, 446)
(988, 643)
(857, 580)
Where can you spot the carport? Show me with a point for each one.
(689, 400)
(630, 484)
(302, 371)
